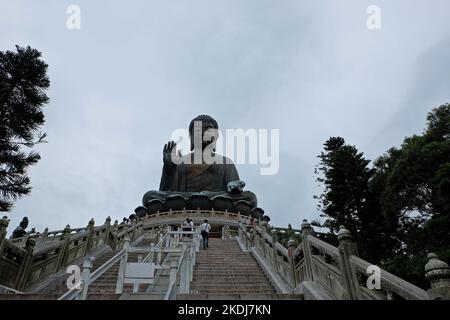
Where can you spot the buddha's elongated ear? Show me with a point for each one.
(192, 141)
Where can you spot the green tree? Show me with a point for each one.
(348, 200)
(23, 83)
(416, 193)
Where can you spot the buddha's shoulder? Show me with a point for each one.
(220, 159)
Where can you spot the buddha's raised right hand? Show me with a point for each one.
(167, 152)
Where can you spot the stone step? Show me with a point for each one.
(232, 291)
(227, 270)
(107, 296)
(229, 277)
(222, 259)
(231, 281)
(34, 296)
(232, 288)
(248, 296)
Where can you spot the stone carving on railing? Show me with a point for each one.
(438, 273)
(337, 271)
(30, 259)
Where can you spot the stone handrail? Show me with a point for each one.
(6, 290)
(23, 264)
(390, 282)
(174, 277)
(322, 245)
(337, 270)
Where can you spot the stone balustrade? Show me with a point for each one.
(307, 265)
(322, 271)
(28, 260)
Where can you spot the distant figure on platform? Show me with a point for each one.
(20, 230)
(188, 225)
(205, 228)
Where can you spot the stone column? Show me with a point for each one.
(25, 267)
(107, 229)
(254, 234)
(45, 234)
(90, 238)
(115, 231)
(65, 236)
(292, 245)
(122, 266)
(85, 277)
(275, 239)
(438, 273)
(223, 232)
(4, 222)
(307, 255)
(264, 231)
(346, 249)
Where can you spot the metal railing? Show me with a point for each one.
(7, 290)
(185, 244)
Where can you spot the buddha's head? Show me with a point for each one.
(205, 129)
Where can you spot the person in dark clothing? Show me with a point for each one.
(205, 228)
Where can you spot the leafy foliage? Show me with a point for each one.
(348, 199)
(23, 83)
(398, 210)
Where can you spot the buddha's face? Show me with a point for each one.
(205, 132)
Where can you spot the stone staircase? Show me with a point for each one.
(104, 288)
(223, 271)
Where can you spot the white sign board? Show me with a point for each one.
(139, 272)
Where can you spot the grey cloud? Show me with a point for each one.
(138, 70)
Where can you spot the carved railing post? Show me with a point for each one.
(115, 231)
(189, 268)
(243, 234)
(125, 235)
(292, 245)
(107, 230)
(85, 275)
(122, 267)
(307, 255)
(275, 239)
(90, 238)
(4, 222)
(25, 266)
(225, 232)
(346, 249)
(264, 231)
(65, 236)
(254, 239)
(45, 234)
(438, 273)
(184, 271)
(173, 273)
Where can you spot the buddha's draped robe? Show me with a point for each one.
(211, 179)
(199, 177)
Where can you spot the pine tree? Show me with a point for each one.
(348, 200)
(23, 83)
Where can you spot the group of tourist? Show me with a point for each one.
(205, 228)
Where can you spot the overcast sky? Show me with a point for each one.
(137, 70)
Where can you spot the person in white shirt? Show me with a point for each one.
(204, 229)
(187, 225)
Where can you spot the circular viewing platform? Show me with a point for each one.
(175, 218)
